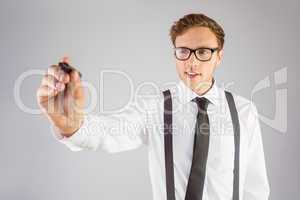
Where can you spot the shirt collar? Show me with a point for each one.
(186, 94)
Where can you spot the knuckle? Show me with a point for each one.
(49, 80)
(52, 69)
(40, 91)
(48, 76)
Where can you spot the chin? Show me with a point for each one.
(196, 83)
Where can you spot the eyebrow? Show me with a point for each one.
(200, 47)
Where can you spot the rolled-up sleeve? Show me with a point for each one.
(112, 133)
(256, 185)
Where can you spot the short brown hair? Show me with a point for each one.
(192, 20)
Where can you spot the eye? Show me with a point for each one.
(183, 51)
(203, 51)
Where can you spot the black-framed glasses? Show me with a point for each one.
(202, 54)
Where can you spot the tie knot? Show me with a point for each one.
(202, 103)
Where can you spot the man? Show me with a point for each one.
(222, 161)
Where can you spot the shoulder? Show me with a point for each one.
(246, 108)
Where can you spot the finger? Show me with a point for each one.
(58, 73)
(55, 71)
(45, 92)
(53, 83)
(74, 76)
(74, 95)
(77, 92)
(49, 80)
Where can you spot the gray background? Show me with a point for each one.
(261, 38)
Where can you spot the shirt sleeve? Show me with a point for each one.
(256, 186)
(112, 133)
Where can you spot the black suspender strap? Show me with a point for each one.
(236, 129)
(168, 144)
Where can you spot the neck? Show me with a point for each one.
(204, 87)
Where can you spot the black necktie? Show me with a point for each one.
(201, 144)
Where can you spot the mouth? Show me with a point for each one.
(191, 75)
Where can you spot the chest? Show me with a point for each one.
(221, 141)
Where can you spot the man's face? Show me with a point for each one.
(194, 73)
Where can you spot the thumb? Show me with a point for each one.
(76, 84)
(76, 91)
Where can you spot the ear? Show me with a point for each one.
(219, 56)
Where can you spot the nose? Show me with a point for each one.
(193, 61)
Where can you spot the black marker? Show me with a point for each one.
(67, 68)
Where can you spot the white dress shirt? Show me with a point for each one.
(142, 124)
